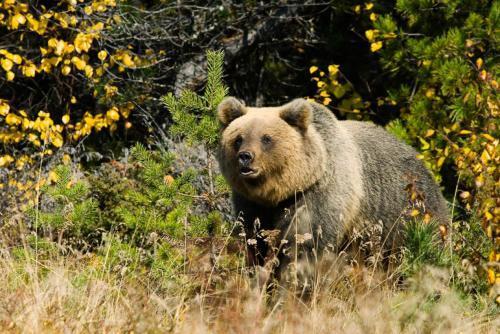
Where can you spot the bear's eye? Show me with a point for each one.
(237, 142)
(266, 139)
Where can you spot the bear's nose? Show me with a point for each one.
(245, 158)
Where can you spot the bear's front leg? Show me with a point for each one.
(297, 248)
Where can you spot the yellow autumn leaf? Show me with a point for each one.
(54, 61)
(79, 63)
(373, 17)
(113, 114)
(357, 9)
(487, 215)
(66, 70)
(68, 48)
(65, 119)
(333, 69)
(13, 119)
(66, 159)
(425, 144)
(73, 20)
(34, 24)
(4, 108)
(83, 42)
(313, 69)
(56, 139)
(368, 6)
(17, 20)
(59, 47)
(440, 161)
(6, 64)
(127, 60)
(491, 276)
(374, 47)
(414, 213)
(390, 35)
(29, 70)
(429, 133)
(371, 34)
(10, 76)
(16, 59)
(99, 71)
(52, 43)
(5, 160)
(487, 136)
(479, 63)
(102, 55)
(485, 157)
(89, 71)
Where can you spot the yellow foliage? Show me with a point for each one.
(29, 70)
(371, 34)
(102, 55)
(79, 63)
(375, 46)
(83, 42)
(16, 20)
(333, 69)
(113, 114)
(313, 69)
(13, 119)
(6, 64)
(4, 108)
(5, 160)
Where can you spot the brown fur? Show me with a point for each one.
(336, 180)
(284, 167)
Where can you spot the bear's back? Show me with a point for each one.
(389, 166)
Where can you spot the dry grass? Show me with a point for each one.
(76, 295)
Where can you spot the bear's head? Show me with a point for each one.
(270, 154)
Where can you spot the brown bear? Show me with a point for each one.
(316, 180)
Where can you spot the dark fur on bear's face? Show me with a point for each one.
(269, 154)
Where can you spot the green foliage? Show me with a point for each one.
(422, 246)
(66, 207)
(397, 128)
(160, 203)
(441, 69)
(194, 115)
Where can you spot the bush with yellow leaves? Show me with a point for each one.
(61, 78)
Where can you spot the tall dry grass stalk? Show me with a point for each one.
(75, 295)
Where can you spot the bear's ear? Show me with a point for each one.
(297, 113)
(230, 109)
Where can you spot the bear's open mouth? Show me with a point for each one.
(248, 172)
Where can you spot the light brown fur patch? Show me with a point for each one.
(295, 162)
